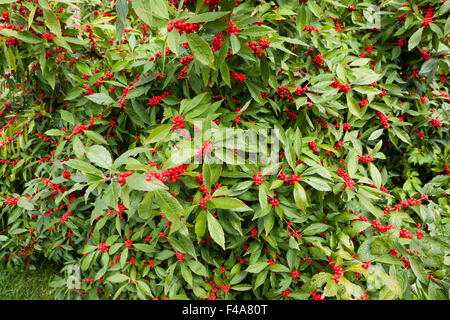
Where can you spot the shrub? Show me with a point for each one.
(104, 166)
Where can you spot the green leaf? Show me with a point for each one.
(353, 107)
(111, 195)
(375, 135)
(415, 39)
(144, 287)
(198, 268)
(200, 224)
(23, 36)
(278, 268)
(363, 76)
(352, 163)
(215, 230)
(169, 206)
(300, 197)
(100, 98)
(369, 206)
(186, 274)
(95, 136)
(159, 133)
(122, 10)
(160, 9)
(367, 90)
(207, 16)
(52, 22)
(359, 62)
(227, 203)
(25, 204)
(173, 41)
(380, 246)
(317, 183)
(225, 72)
(201, 50)
(235, 44)
(315, 228)
(138, 182)
(67, 116)
(207, 177)
(100, 156)
(143, 10)
(375, 174)
(402, 135)
(144, 248)
(257, 267)
(117, 278)
(83, 166)
(122, 159)
(54, 132)
(87, 261)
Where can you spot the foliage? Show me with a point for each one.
(94, 93)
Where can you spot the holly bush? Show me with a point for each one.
(109, 147)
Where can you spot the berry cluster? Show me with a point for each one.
(183, 26)
(347, 126)
(172, 174)
(428, 19)
(180, 256)
(238, 76)
(376, 224)
(425, 55)
(364, 103)
(178, 122)
(217, 42)
(347, 180)
(212, 4)
(383, 119)
(12, 201)
(300, 89)
(342, 87)
(310, 29)
(338, 272)
(102, 247)
(79, 129)
(48, 36)
(273, 201)
(318, 61)
(206, 148)
(435, 122)
(338, 145)
(284, 93)
(157, 99)
(263, 44)
(204, 199)
(365, 159)
(258, 178)
(404, 233)
(125, 91)
(295, 178)
(313, 147)
(123, 176)
(66, 174)
(232, 29)
(316, 295)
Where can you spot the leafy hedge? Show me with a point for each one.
(94, 94)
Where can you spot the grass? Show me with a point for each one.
(27, 284)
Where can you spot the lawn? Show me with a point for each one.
(27, 283)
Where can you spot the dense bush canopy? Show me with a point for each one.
(101, 102)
